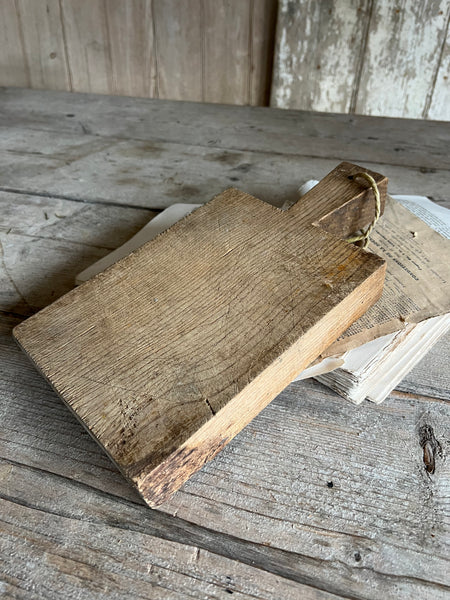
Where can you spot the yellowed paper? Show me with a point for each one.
(417, 283)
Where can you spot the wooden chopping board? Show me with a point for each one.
(169, 353)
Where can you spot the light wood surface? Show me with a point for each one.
(262, 509)
(439, 100)
(43, 45)
(149, 154)
(227, 307)
(202, 50)
(309, 55)
(14, 70)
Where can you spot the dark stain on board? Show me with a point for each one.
(431, 448)
(159, 485)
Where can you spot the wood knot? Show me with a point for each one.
(431, 447)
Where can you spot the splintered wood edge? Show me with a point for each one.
(157, 485)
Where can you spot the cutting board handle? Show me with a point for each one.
(341, 203)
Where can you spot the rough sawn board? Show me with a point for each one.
(170, 352)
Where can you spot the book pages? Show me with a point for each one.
(417, 285)
(374, 369)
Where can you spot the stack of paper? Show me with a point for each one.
(375, 368)
(377, 351)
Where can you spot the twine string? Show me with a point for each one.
(364, 236)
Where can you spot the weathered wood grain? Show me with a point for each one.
(131, 43)
(158, 175)
(39, 431)
(13, 65)
(214, 51)
(91, 224)
(439, 100)
(431, 377)
(227, 307)
(44, 241)
(226, 51)
(26, 291)
(407, 143)
(296, 509)
(372, 58)
(196, 50)
(328, 56)
(85, 31)
(378, 532)
(91, 168)
(262, 39)
(96, 560)
(38, 444)
(43, 44)
(402, 55)
(318, 53)
(83, 231)
(179, 50)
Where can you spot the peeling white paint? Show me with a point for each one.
(396, 44)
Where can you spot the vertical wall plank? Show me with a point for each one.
(13, 66)
(440, 98)
(227, 50)
(263, 25)
(403, 47)
(130, 28)
(365, 56)
(87, 42)
(43, 44)
(213, 50)
(318, 53)
(178, 48)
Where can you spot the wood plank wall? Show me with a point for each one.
(371, 57)
(377, 57)
(205, 50)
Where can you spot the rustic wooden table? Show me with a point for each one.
(316, 498)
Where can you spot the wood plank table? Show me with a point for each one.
(316, 498)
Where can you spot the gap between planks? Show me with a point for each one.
(74, 199)
(174, 529)
(399, 394)
(338, 156)
(313, 565)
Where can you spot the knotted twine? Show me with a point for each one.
(364, 236)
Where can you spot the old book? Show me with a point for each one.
(417, 280)
(374, 369)
(166, 355)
